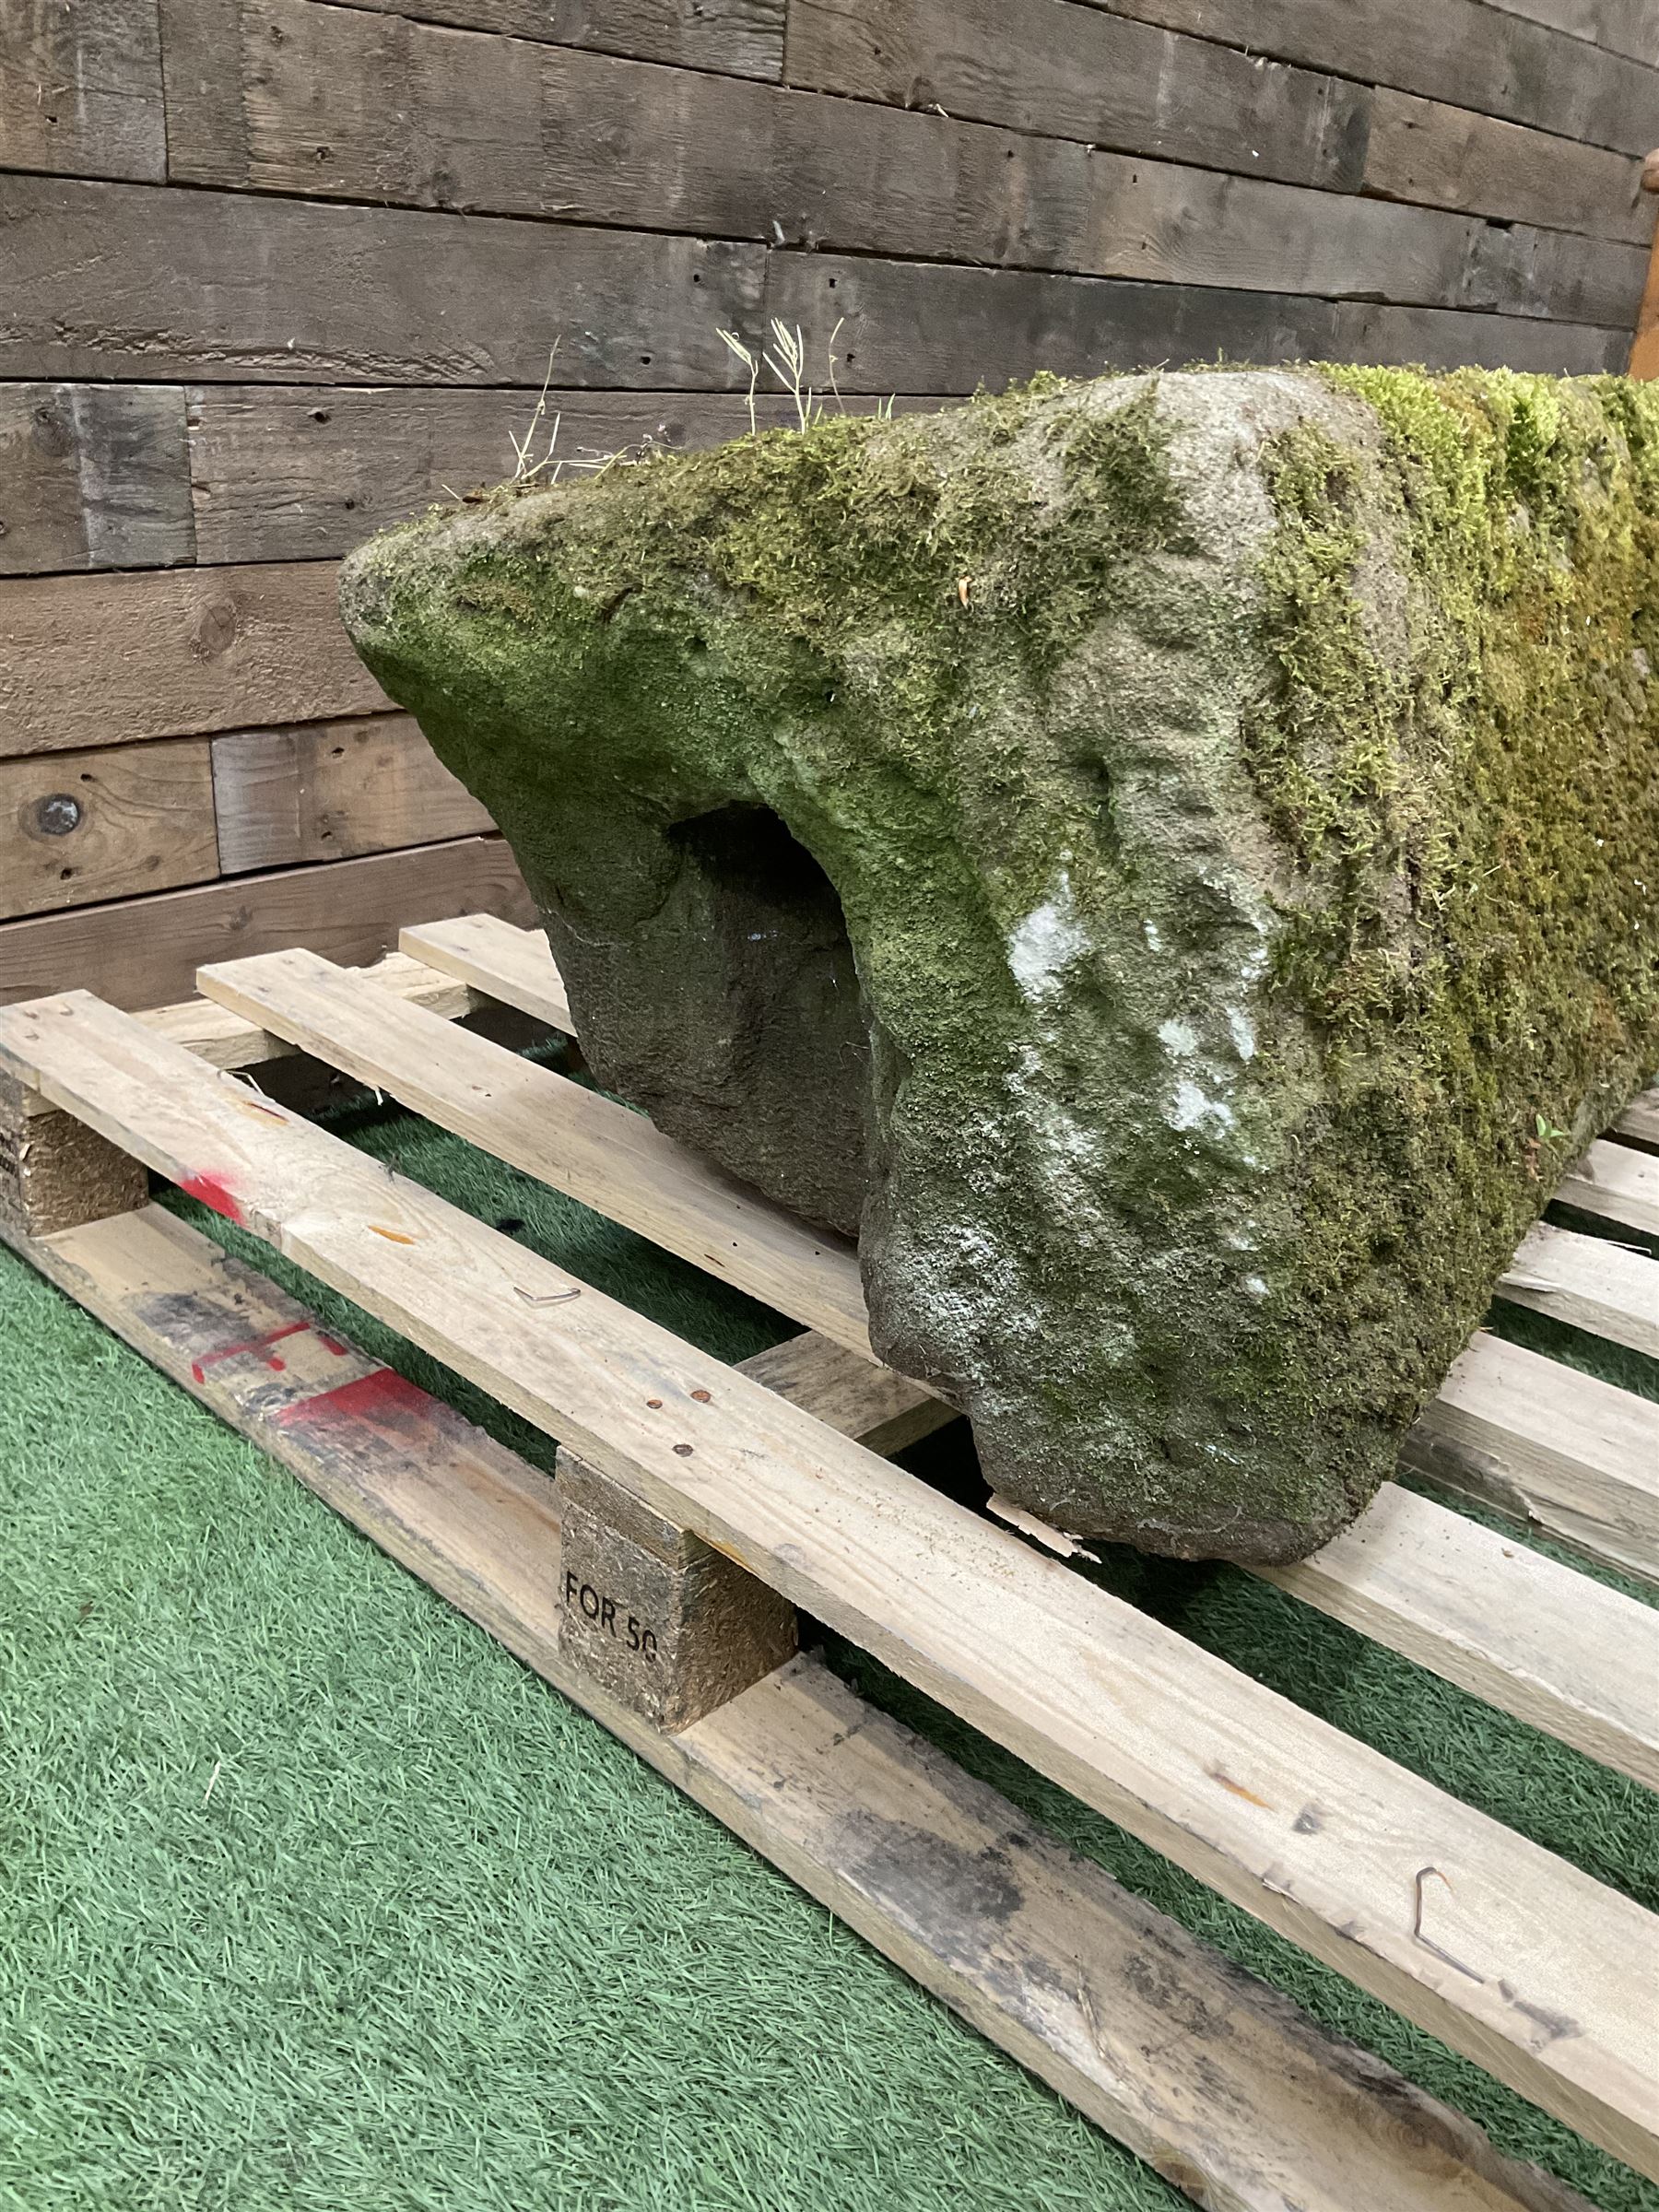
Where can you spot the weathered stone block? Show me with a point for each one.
(1172, 860)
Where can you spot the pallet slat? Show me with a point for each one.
(1464, 1602)
(1561, 1451)
(1491, 1432)
(494, 955)
(1247, 2105)
(566, 1136)
(1507, 1954)
(1616, 1182)
(1515, 1629)
(1639, 1123)
(1590, 1282)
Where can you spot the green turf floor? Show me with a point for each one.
(310, 1897)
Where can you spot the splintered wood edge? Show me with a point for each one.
(1218, 2082)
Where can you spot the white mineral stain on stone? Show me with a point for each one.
(1192, 1108)
(1178, 1037)
(1255, 1286)
(1243, 1032)
(1045, 943)
(1240, 1240)
(1154, 935)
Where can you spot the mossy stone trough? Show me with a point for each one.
(1172, 862)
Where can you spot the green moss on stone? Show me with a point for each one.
(1471, 793)
(1239, 791)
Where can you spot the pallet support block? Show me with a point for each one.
(660, 1619)
(56, 1172)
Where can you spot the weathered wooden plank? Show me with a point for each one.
(1075, 72)
(1590, 1282)
(123, 281)
(178, 651)
(145, 952)
(294, 96)
(365, 106)
(356, 105)
(93, 476)
(565, 1135)
(1220, 2083)
(490, 955)
(1620, 26)
(1639, 1123)
(303, 472)
(1321, 1837)
(1461, 51)
(333, 790)
(1444, 157)
(737, 37)
(1070, 73)
(883, 1408)
(1526, 1424)
(1616, 1182)
(1512, 1626)
(79, 827)
(1444, 338)
(80, 87)
(912, 326)
(1564, 1452)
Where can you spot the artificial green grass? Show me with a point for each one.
(310, 1897)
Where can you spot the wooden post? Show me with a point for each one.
(56, 1172)
(1644, 353)
(653, 1615)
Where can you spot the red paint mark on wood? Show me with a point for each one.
(331, 1344)
(250, 1344)
(214, 1190)
(382, 1399)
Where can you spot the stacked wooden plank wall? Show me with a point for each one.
(276, 272)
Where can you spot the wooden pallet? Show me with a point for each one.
(697, 1503)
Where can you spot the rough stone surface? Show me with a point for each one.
(1173, 860)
